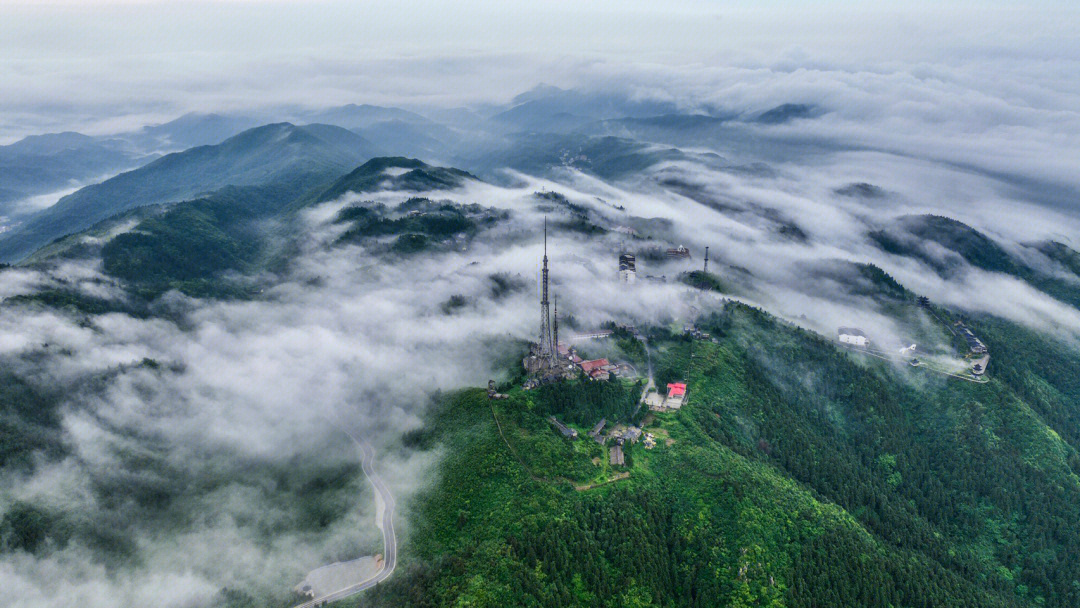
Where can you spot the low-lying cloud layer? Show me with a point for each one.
(346, 338)
(213, 413)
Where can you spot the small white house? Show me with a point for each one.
(853, 336)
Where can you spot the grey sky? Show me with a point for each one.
(100, 66)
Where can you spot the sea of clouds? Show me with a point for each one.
(988, 134)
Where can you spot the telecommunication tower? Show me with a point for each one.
(547, 347)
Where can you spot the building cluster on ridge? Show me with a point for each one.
(549, 359)
(977, 358)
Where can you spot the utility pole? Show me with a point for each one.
(704, 272)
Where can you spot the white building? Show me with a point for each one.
(627, 268)
(853, 336)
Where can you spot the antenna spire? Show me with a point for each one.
(546, 344)
(555, 327)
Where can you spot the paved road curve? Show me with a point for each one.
(890, 357)
(384, 501)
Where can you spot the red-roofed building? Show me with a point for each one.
(589, 366)
(676, 393)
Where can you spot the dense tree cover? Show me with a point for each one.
(29, 421)
(704, 280)
(531, 439)
(411, 243)
(861, 190)
(205, 246)
(503, 284)
(798, 475)
(28, 527)
(1062, 254)
(587, 401)
(264, 155)
(75, 301)
(909, 235)
(571, 217)
(192, 244)
(965, 474)
(187, 243)
(671, 361)
(536, 153)
(1044, 372)
(31, 429)
(414, 175)
(632, 349)
(419, 223)
(882, 284)
(454, 303)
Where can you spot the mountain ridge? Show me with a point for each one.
(257, 156)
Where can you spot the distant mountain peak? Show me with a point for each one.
(537, 92)
(387, 162)
(273, 153)
(194, 129)
(49, 143)
(414, 175)
(359, 116)
(861, 190)
(787, 112)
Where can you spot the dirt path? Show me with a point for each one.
(534, 477)
(614, 478)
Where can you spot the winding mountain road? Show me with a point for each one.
(384, 509)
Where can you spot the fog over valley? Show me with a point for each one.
(260, 260)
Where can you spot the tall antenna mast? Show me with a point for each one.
(555, 326)
(706, 260)
(547, 348)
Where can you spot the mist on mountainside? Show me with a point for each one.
(224, 271)
(328, 329)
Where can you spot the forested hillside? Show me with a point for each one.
(265, 155)
(797, 474)
(926, 237)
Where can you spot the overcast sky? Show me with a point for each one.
(100, 66)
